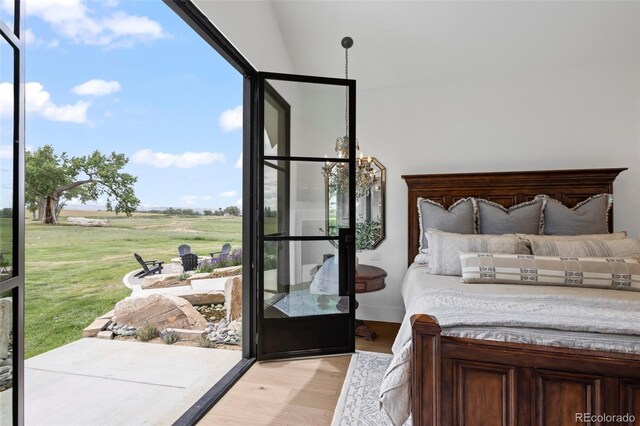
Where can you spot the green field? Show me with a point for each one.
(74, 273)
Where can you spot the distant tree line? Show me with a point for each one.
(6, 212)
(231, 211)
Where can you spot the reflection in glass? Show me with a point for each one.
(6, 160)
(6, 355)
(370, 201)
(306, 283)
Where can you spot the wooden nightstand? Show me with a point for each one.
(368, 278)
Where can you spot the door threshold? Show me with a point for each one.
(300, 358)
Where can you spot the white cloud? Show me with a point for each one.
(186, 160)
(190, 200)
(74, 20)
(97, 87)
(228, 194)
(38, 102)
(239, 162)
(32, 40)
(239, 202)
(231, 119)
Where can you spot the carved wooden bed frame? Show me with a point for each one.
(459, 381)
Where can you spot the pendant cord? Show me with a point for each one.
(346, 104)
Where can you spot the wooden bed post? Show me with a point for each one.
(425, 382)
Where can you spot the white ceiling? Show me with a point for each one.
(397, 42)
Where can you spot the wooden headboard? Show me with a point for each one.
(505, 188)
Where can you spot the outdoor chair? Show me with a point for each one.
(222, 254)
(184, 249)
(149, 267)
(189, 262)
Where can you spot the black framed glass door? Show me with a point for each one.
(306, 273)
(11, 213)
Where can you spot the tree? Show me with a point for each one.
(232, 211)
(208, 213)
(50, 179)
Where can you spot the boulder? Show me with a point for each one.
(203, 298)
(233, 297)
(162, 310)
(162, 281)
(6, 325)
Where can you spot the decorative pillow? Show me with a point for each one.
(602, 237)
(459, 218)
(629, 247)
(600, 272)
(523, 218)
(444, 248)
(591, 216)
(421, 258)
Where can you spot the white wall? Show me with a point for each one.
(565, 117)
(465, 87)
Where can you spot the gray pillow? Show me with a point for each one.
(523, 218)
(459, 218)
(591, 216)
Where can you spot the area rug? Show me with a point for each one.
(358, 402)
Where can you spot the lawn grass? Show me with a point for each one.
(74, 273)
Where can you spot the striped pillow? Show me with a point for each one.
(599, 272)
(444, 248)
(628, 247)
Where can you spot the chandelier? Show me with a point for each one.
(337, 174)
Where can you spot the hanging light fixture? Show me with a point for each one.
(338, 173)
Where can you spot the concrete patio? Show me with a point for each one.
(108, 382)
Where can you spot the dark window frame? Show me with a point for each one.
(15, 284)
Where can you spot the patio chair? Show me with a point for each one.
(223, 253)
(189, 262)
(149, 267)
(184, 249)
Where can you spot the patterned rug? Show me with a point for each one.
(358, 403)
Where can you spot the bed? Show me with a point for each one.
(456, 379)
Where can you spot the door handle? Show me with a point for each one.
(345, 250)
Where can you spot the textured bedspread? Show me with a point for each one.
(579, 318)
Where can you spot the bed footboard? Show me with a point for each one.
(470, 382)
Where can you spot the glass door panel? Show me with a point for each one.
(307, 275)
(7, 117)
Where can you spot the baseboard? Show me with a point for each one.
(379, 313)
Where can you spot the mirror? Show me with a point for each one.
(371, 177)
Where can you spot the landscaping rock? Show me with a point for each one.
(6, 320)
(83, 221)
(105, 335)
(96, 327)
(162, 281)
(162, 310)
(204, 298)
(192, 335)
(233, 297)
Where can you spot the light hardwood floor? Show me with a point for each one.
(298, 392)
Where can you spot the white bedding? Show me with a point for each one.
(557, 316)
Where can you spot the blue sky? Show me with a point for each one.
(130, 76)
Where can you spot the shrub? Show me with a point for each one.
(233, 259)
(147, 332)
(204, 342)
(170, 337)
(184, 276)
